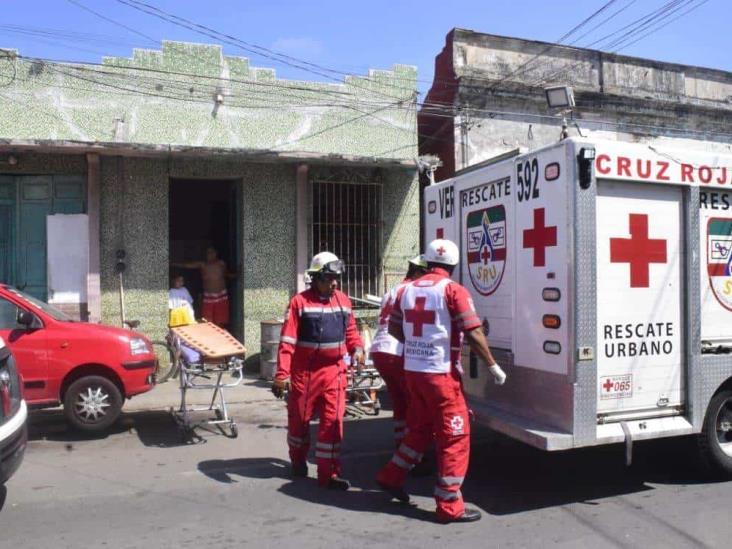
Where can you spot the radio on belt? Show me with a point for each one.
(597, 264)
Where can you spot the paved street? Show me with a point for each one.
(139, 486)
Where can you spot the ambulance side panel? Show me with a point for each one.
(715, 247)
(507, 277)
(641, 329)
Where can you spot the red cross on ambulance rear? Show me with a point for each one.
(427, 326)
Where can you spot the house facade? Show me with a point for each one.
(113, 174)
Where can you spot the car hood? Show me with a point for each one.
(101, 330)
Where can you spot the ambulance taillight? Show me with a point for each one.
(551, 321)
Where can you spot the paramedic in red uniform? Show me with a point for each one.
(319, 330)
(387, 353)
(430, 316)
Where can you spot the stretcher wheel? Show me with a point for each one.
(234, 430)
(218, 413)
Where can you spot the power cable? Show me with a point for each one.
(113, 21)
(635, 27)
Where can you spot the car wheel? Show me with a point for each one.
(715, 440)
(92, 403)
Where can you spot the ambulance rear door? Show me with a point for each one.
(541, 246)
(485, 208)
(439, 211)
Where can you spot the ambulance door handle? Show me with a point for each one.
(473, 365)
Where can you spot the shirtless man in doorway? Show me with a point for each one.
(215, 297)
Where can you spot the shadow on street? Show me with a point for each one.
(505, 477)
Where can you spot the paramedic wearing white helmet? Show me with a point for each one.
(318, 331)
(387, 353)
(429, 317)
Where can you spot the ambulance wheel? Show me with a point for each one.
(715, 440)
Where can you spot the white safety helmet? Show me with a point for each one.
(419, 261)
(442, 251)
(326, 263)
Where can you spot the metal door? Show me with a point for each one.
(39, 197)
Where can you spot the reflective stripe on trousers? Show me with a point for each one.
(327, 450)
(446, 495)
(297, 442)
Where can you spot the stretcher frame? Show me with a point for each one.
(361, 391)
(212, 367)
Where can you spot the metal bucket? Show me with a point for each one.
(270, 341)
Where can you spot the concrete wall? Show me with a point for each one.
(498, 82)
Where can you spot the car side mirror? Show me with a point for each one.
(26, 318)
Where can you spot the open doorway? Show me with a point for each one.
(207, 214)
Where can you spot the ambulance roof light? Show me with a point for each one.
(559, 97)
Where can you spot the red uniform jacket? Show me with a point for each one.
(317, 332)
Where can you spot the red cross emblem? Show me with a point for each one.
(608, 385)
(540, 238)
(441, 250)
(638, 250)
(418, 316)
(485, 255)
(386, 312)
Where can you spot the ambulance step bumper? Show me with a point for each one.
(532, 433)
(644, 429)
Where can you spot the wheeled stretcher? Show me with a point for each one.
(207, 353)
(361, 391)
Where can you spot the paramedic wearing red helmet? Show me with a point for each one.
(387, 353)
(319, 330)
(430, 317)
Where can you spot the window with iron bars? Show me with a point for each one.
(346, 220)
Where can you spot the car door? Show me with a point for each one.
(29, 346)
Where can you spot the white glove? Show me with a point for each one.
(498, 374)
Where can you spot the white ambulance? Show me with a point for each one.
(603, 274)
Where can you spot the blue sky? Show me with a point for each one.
(353, 36)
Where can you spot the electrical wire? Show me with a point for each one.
(249, 47)
(649, 21)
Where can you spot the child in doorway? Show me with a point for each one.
(180, 303)
(180, 308)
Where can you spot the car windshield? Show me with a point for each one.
(38, 304)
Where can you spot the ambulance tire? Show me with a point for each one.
(713, 456)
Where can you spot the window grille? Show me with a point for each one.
(346, 220)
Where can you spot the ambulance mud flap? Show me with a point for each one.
(628, 443)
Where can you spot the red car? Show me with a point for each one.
(89, 368)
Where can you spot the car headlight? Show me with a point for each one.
(138, 346)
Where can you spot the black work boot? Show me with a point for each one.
(338, 483)
(299, 470)
(469, 515)
(397, 492)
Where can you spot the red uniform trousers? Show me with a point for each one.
(319, 391)
(391, 369)
(436, 405)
